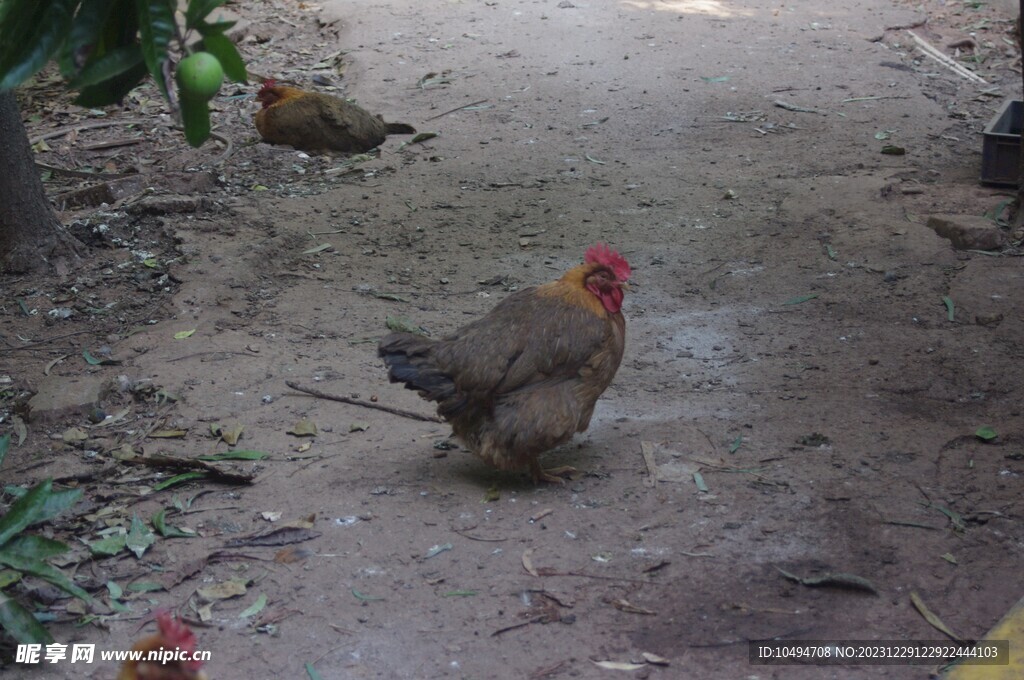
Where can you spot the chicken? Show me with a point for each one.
(175, 639)
(311, 121)
(525, 377)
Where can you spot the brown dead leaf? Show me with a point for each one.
(73, 434)
(630, 608)
(274, 537)
(224, 590)
(230, 436)
(168, 434)
(306, 522)
(303, 428)
(528, 562)
(291, 554)
(19, 429)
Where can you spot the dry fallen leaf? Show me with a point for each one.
(619, 665)
(291, 554)
(304, 428)
(528, 562)
(629, 608)
(655, 659)
(222, 591)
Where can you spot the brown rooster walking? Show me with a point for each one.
(311, 121)
(524, 378)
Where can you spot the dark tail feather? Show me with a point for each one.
(408, 361)
(399, 129)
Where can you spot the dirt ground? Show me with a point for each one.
(787, 340)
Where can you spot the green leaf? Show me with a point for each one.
(364, 597)
(86, 32)
(5, 445)
(736, 444)
(178, 479)
(950, 309)
(113, 90)
(227, 54)
(156, 27)
(986, 433)
(21, 625)
(109, 546)
(31, 33)
(235, 455)
(800, 299)
(36, 547)
(195, 15)
(166, 530)
(93, 361)
(459, 593)
(255, 608)
(24, 511)
(57, 502)
(111, 64)
(145, 587)
(44, 571)
(139, 537)
(312, 673)
(8, 577)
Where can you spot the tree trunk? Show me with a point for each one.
(31, 237)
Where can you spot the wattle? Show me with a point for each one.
(610, 299)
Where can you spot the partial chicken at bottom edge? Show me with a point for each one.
(524, 378)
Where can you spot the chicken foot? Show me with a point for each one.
(555, 475)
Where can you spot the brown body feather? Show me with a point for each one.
(522, 379)
(311, 121)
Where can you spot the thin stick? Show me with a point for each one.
(33, 345)
(218, 351)
(514, 626)
(463, 533)
(457, 108)
(365, 404)
(580, 574)
(953, 66)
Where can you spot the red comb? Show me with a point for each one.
(268, 83)
(176, 634)
(600, 253)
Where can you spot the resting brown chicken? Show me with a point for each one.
(172, 646)
(525, 377)
(311, 121)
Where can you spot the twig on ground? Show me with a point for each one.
(365, 404)
(940, 57)
(457, 108)
(33, 345)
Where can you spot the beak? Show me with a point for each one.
(625, 287)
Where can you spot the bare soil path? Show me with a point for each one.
(787, 341)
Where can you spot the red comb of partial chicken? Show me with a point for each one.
(600, 253)
(164, 655)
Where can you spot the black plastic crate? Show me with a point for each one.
(1000, 151)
